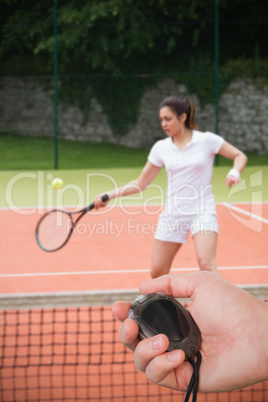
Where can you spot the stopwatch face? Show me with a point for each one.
(164, 317)
(157, 313)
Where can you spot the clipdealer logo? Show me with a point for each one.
(252, 219)
(47, 198)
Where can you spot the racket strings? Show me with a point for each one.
(54, 230)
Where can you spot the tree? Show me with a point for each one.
(107, 34)
(118, 48)
(130, 36)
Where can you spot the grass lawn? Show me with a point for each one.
(20, 153)
(27, 169)
(27, 153)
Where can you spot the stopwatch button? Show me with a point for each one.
(139, 298)
(130, 314)
(142, 298)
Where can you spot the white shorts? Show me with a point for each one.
(176, 229)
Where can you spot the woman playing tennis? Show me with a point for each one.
(188, 157)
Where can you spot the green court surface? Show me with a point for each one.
(22, 189)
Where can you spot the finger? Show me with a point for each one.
(149, 348)
(231, 180)
(98, 203)
(170, 370)
(237, 181)
(128, 331)
(128, 334)
(228, 182)
(120, 310)
(177, 285)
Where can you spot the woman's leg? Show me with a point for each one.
(163, 255)
(206, 247)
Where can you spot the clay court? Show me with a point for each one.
(111, 249)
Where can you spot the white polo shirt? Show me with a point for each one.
(189, 173)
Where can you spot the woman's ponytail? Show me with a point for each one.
(190, 121)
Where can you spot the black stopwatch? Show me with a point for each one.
(158, 313)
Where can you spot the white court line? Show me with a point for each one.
(74, 293)
(48, 207)
(122, 271)
(259, 218)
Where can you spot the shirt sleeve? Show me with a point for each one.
(155, 155)
(214, 142)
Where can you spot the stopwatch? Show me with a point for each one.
(158, 313)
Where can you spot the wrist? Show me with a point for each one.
(111, 194)
(234, 172)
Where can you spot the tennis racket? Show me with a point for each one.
(55, 228)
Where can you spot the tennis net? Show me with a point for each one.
(67, 352)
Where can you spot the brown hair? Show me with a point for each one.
(180, 105)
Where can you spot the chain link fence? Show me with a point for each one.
(97, 70)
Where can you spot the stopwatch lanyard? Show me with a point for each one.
(193, 384)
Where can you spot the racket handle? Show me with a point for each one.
(105, 198)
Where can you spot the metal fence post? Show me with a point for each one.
(55, 64)
(216, 70)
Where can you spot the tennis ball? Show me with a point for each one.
(57, 183)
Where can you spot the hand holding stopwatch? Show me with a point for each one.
(158, 313)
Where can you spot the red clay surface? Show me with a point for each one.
(112, 250)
